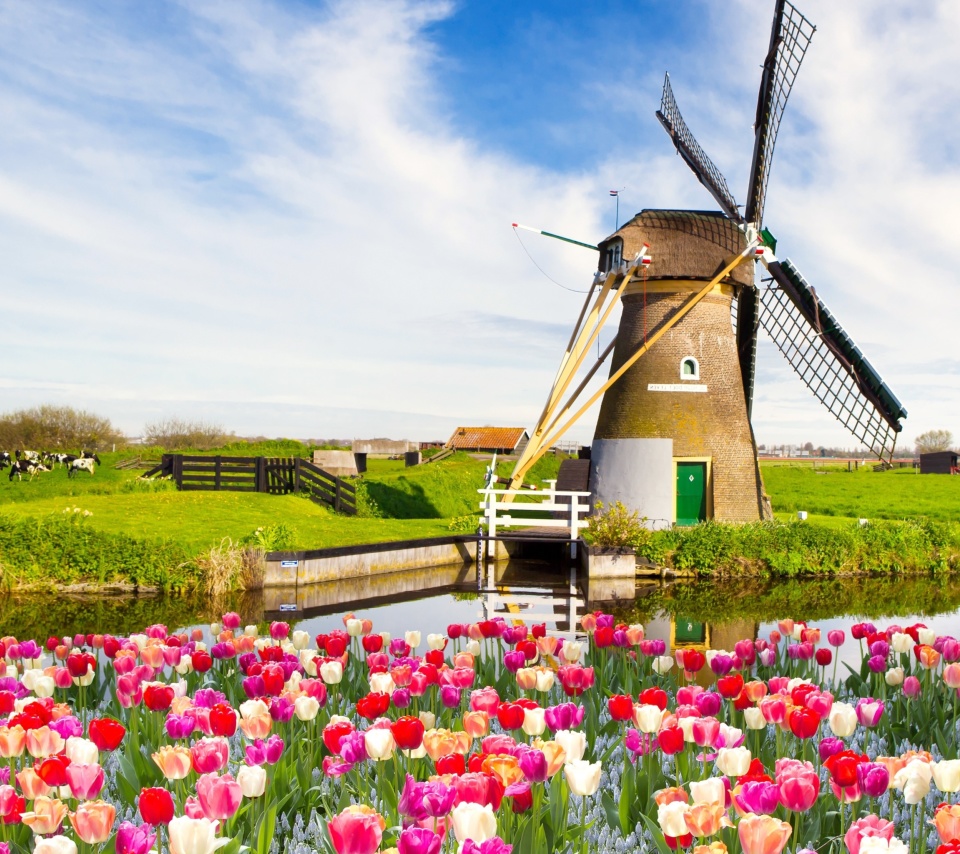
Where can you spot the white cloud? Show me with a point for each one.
(271, 204)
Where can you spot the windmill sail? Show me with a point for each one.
(828, 361)
(689, 149)
(789, 39)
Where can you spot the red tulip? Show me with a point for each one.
(408, 732)
(201, 661)
(510, 715)
(272, 679)
(824, 656)
(337, 645)
(654, 697)
(843, 767)
(106, 733)
(333, 733)
(454, 763)
(357, 830)
(158, 697)
(223, 720)
(372, 643)
(53, 770)
(373, 705)
(670, 740)
(730, 686)
(804, 722)
(433, 657)
(156, 806)
(621, 707)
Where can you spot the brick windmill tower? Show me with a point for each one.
(673, 438)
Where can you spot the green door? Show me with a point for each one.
(691, 493)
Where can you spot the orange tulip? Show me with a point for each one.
(706, 819)
(93, 821)
(504, 767)
(464, 659)
(929, 657)
(47, 815)
(556, 755)
(174, 761)
(257, 725)
(755, 691)
(762, 834)
(43, 742)
(946, 819)
(893, 764)
(12, 741)
(476, 724)
(152, 655)
(670, 795)
(715, 847)
(443, 742)
(31, 785)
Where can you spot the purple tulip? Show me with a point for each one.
(877, 663)
(873, 779)
(604, 621)
(411, 803)
(353, 748)
(30, 649)
(533, 764)
(418, 840)
(134, 839)
(438, 798)
(281, 709)
(245, 661)
(620, 638)
(67, 726)
(708, 703)
(400, 698)
(494, 845)
(223, 650)
(880, 647)
(207, 698)
(949, 649)
(768, 656)
(758, 796)
(253, 687)
(658, 646)
(180, 726)
(514, 660)
(564, 716)
(869, 711)
(721, 664)
(451, 696)
(639, 744)
(829, 746)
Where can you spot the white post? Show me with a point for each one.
(491, 523)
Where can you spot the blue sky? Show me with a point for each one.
(293, 218)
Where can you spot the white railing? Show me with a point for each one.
(570, 507)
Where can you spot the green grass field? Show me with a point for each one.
(422, 501)
(835, 493)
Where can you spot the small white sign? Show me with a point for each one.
(289, 564)
(676, 387)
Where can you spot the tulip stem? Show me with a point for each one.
(583, 824)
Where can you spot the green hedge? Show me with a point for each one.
(804, 548)
(61, 549)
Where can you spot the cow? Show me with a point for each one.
(27, 455)
(90, 455)
(81, 464)
(30, 467)
(63, 459)
(4, 459)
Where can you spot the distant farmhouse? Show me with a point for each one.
(939, 462)
(489, 440)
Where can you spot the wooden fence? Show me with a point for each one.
(273, 475)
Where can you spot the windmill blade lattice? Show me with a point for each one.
(789, 41)
(828, 361)
(689, 149)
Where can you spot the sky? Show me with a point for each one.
(294, 218)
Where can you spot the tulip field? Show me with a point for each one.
(490, 738)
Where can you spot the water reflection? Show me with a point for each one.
(703, 614)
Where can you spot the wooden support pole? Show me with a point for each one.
(549, 433)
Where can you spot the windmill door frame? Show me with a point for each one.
(707, 464)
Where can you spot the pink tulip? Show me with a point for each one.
(485, 700)
(911, 687)
(219, 796)
(836, 637)
(209, 755)
(869, 711)
(356, 831)
(85, 781)
(951, 675)
(862, 828)
(799, 784)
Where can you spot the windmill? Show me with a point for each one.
(673, 437)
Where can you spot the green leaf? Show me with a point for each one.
(628, 798)
(657, 834)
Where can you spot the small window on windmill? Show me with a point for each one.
(614, 255)
(689, 368)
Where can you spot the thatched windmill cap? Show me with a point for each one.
(684, 244)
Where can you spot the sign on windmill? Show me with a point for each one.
(674, 438)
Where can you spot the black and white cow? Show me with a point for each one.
(4, 459)
(90, 455)
(62, 459)
(81, 464)
(30, 467)
(27, 455)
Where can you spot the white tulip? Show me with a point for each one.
(571, 651)
(545, 680)
(379, 743)
(573, 742)
(331, 672)
(354, 627)
(81, 751)
(901, 642)
(670, 817)
(412, 638)
(54, 845)
(252, 780)
(534, 721)
(734, 761)
(583, 778)
(946, 774)
(709, 791)
(300, 640)
(194, 836)
(662, 664)
(436, 642)
(306, 707)
(647, 717)
(754, 718)
(843, 720)
(382, 683)
(473, 821)
(894, 677)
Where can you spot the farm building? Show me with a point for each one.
(489, 440)
(938, 462)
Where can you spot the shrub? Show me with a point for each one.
(273, 538)
(616, 527)
(174, 434)
(57, 427)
